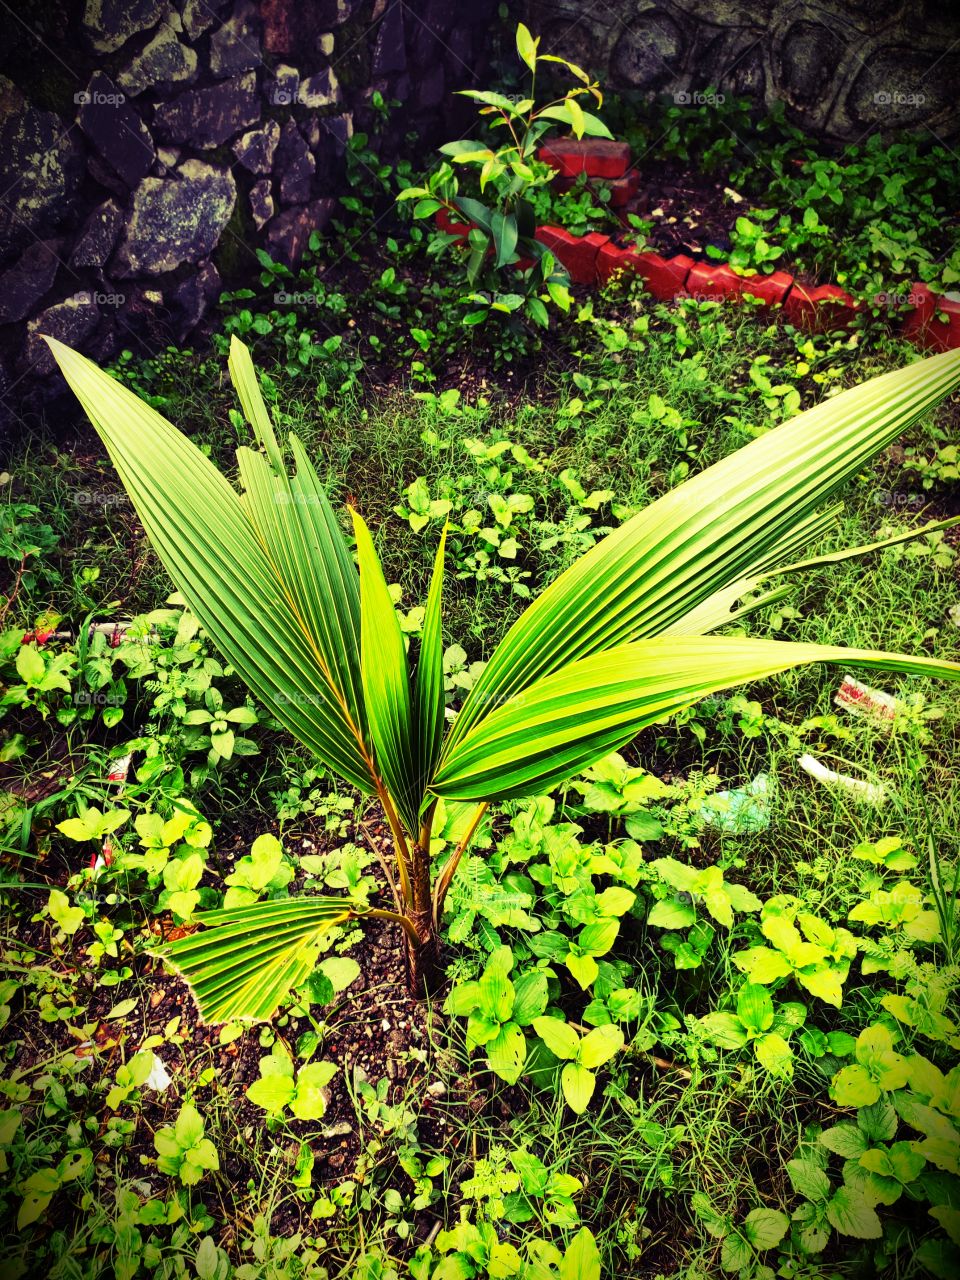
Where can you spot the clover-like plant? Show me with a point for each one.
(617, 642)
(182, 1149)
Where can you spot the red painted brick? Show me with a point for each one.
(917, 320)
(924, 327)
(945, 334)
(577, 253)
(819, 309)
(665, 277)
(611, 259)
(446, 223)
(770, 290)
(622, 190)
(596, 157)
(711, 282)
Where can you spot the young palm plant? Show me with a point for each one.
(616, 643)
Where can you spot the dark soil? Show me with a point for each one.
(374, 1031)
(688, 212)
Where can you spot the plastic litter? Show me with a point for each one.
(866, 703)
(159, 1077)
(741, 811)
(872, 793)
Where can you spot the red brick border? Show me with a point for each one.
(932, 323)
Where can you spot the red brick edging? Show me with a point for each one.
(931, 323)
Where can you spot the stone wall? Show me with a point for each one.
(149, 147)
(844, 69)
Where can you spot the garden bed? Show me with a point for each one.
(754, 968)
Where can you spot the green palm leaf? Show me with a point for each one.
(247, 958)
(568, 719)
(428, 688)
(716, 529)
(386, 683)
(300, 534)
(216, 553)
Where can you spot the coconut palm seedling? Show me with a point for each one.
(617, 642)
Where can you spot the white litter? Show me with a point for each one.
(159, 1077)
(871, 793)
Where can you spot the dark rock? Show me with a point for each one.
(648, 53)
(896, 89)
(336, 12)
(314, 134)
(175, 220)
(11, 424)
(425, 45)
(199, 16)
(327, 138)
(292, 26)
(193, 296)
(104, 176)
(109, 24)
(289, 232)
(747, 76)
(115, 130)
(99, 235)
(104, 344)
(279, 25)
(808, 55)
(294, 165)
(440, 15)
(40, 169)
(255, 149)
(163, 63)
(262, 207)
(22, 287)
(282, 86)
(167, 160)
(462, 49)
(209, 117)
(320, 90)
(340, 129)
(389, 50)
(146, 318)
(235, 46)
(70, 321)
(432, 87)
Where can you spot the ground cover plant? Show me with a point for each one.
(694, 1003)
(613, 646)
